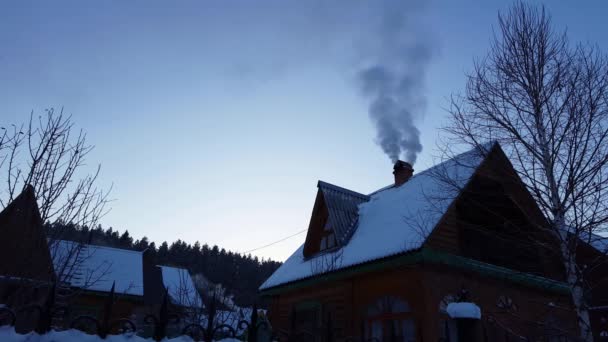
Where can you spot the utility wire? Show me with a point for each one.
(274, 243)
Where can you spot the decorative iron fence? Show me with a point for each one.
(252, 330)
(41, 321)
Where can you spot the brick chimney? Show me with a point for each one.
(402, 171)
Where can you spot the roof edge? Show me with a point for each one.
(321, 184)
(420, 256)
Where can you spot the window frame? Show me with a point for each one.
(388, 317)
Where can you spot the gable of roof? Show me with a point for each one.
(336, 209)
(393, 221)
(95, 268)
(23, 249)
(343, 209)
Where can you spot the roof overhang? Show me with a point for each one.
(425, 256)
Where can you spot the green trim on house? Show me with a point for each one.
(422, 256)
(499, 272)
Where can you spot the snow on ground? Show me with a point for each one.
(395, 220)
(8, 334)
(464, 310)
(96, 267)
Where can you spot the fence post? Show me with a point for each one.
(291, 336)
(329, 337)
(211, 310)
(393, 328)
(252, 333)
(46, 312)
(160, 328)
(104, 328)
(362, 328)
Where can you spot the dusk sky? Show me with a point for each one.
(214, 120)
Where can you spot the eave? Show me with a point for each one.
(425, 256)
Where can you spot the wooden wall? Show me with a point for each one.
(423, 288)
(93, 304)
(496, 201)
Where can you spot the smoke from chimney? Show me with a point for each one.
(394, 81)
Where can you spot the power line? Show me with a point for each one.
(274, 243)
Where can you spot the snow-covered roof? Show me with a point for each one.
(8, 334)
(464, 310)
(181, 286)
(599, 242)
(394, 220)
(96, 267)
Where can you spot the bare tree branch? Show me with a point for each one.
(545, 101)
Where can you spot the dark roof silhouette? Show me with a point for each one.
(24, 252)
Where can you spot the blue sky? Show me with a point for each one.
(215, 119)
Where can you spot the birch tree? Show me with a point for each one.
(544, 99)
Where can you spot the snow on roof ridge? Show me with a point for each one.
(90, 245)
(114, 248)
(486, 146)
(321, 183)
(177, 268)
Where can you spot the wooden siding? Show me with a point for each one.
(505, 189)
(531, 305)
(423, 287)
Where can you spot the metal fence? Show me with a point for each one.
(255, 329)
(40, 318)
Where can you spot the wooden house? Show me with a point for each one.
(392, 264)
(82, 274)
(91, 271)
(26, 268)
(23, 241)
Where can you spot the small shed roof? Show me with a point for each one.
(180, 286)
(95, 268)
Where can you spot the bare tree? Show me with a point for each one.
(544, 100)
(185, 295)
(327, 262)
(73, 265)
(49, 154)
(209, 304)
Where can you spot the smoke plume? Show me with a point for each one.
(393, 79)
